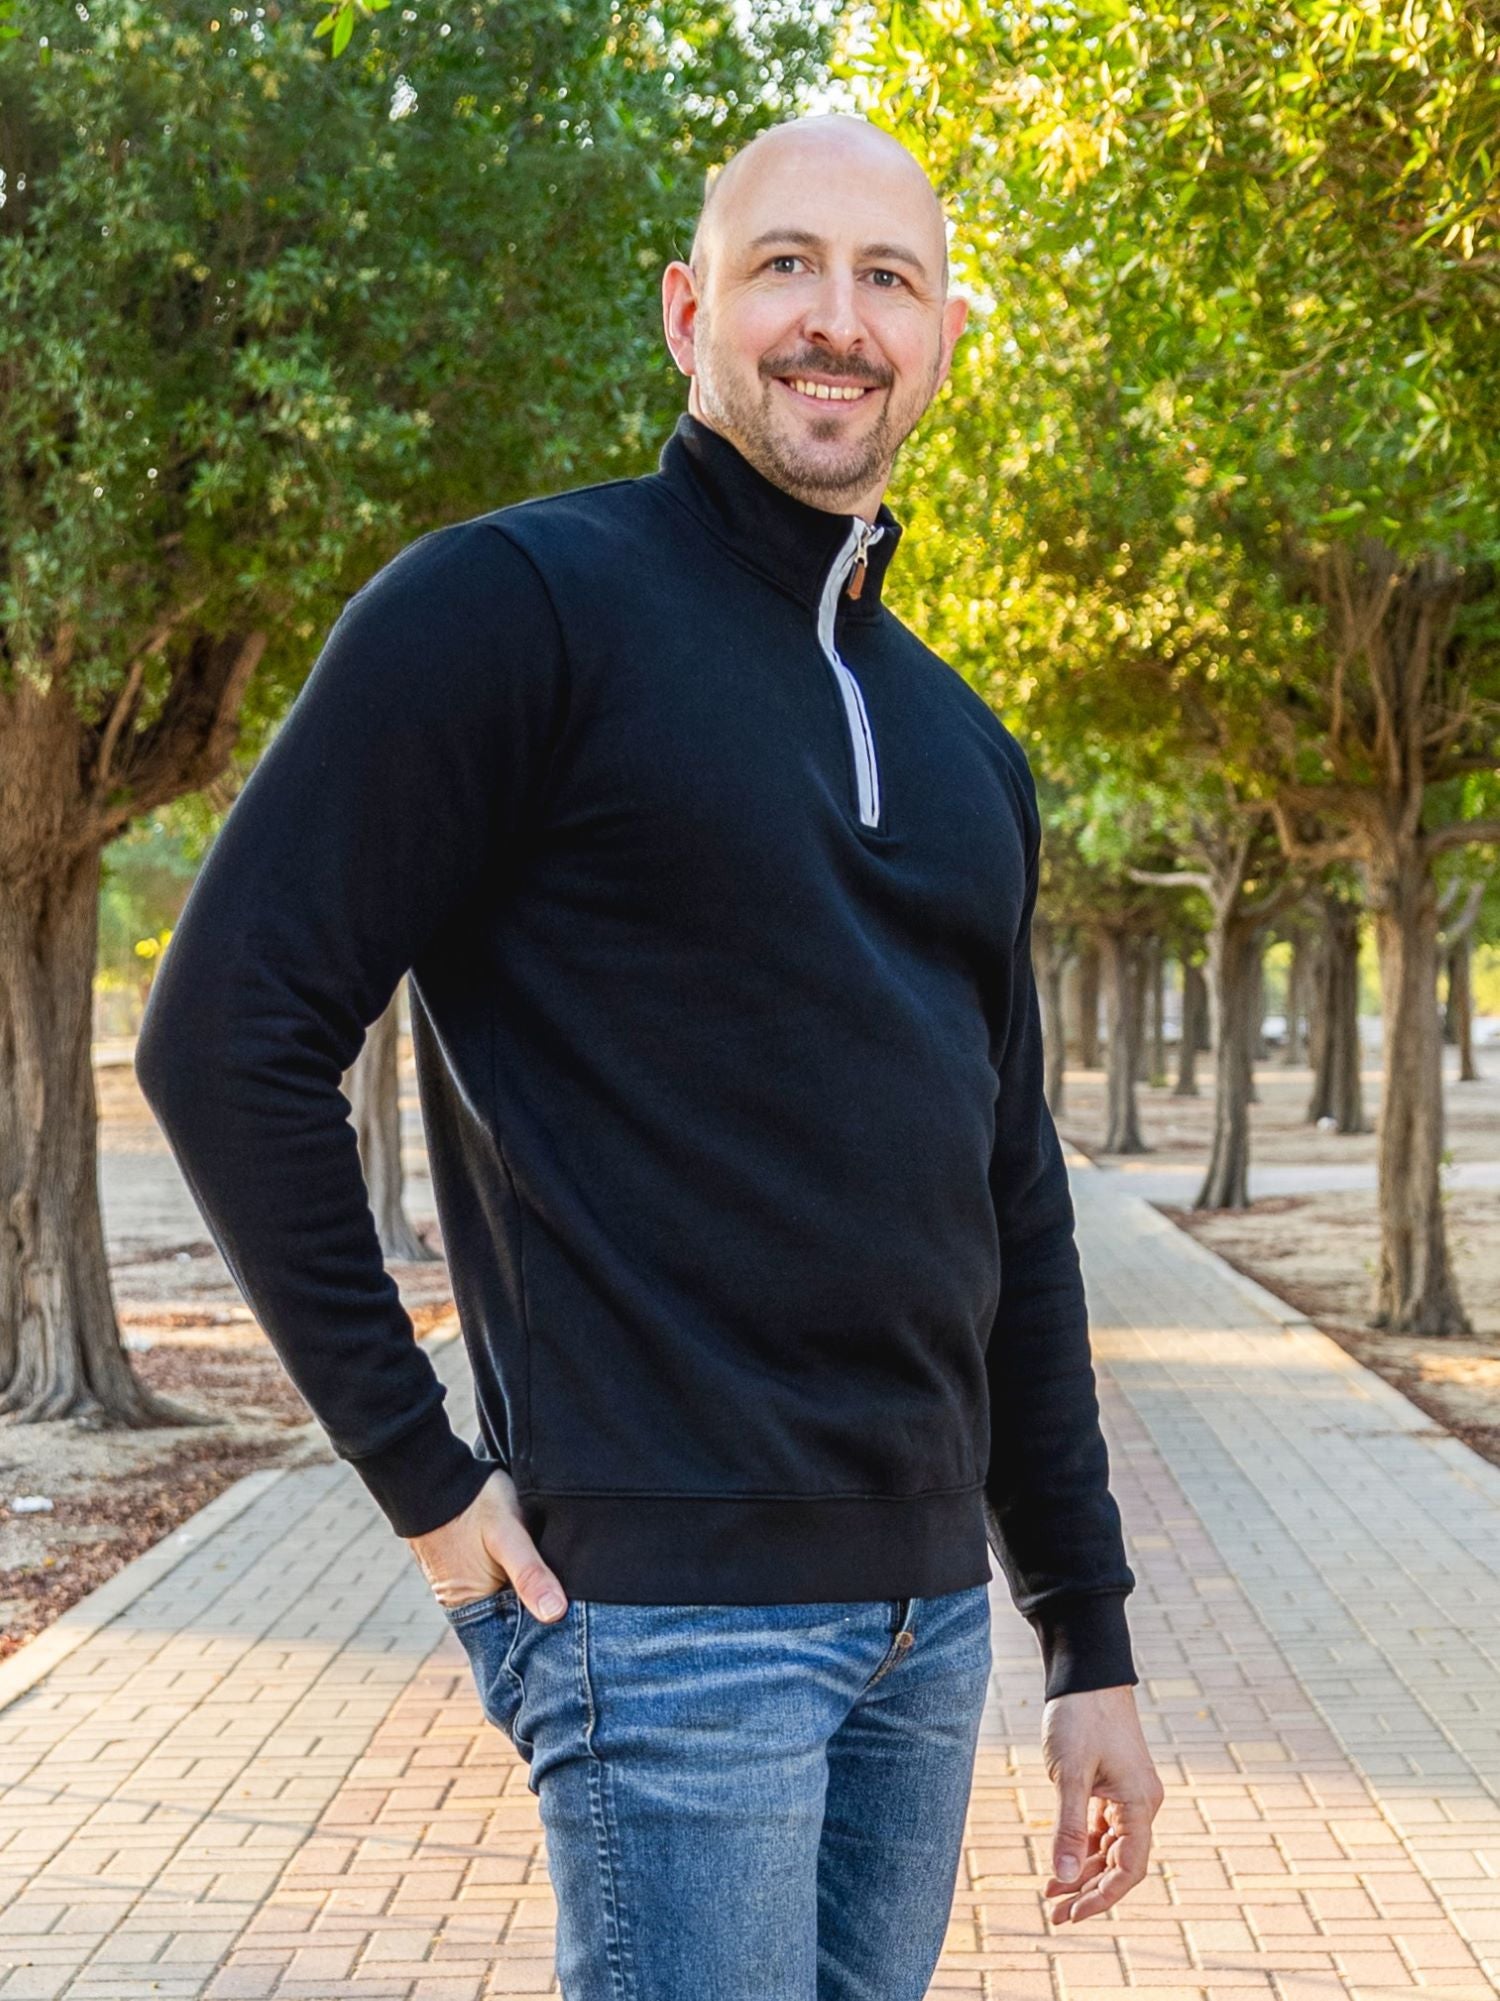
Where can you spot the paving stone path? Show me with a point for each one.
(254, 1765)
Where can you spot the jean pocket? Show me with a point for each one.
(486, 1627)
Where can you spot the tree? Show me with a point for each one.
(372, 1087)
(1290, 269)
(1089, 886)
(1243, 876)
(1410, 703)
(1461, 907)
(1122, 934)
(1334, 1047)
(1194, 1018)
(1301, 942)
(228, 393)
(1048, 957)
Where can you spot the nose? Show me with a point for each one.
(833, 315)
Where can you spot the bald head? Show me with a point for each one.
(813, 315)
(813, 145)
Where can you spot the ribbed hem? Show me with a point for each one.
(425, 1477)
(1085, 1643)
(652, 1549)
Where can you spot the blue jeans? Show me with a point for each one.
(743, 1802)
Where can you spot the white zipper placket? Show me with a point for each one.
(861, 738)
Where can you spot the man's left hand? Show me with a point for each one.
(1108, 1795)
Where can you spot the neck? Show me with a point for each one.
(771, 529)
(865, 502)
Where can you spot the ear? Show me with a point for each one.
(955, 316)
(679, 313)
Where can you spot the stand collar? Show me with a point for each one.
(787, 540)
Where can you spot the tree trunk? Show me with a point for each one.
(373, 1089)
(1190, 1041)
(1234, 954)
(1070, 1008)
(1404, 697)
(1047, 964)
(1256, 1003)
(1414, 1289)
(1215, 1027)
(1205, 1020)
(1318, 964)
(1122, 968)
(68, 787)
(1158, 1013)
(1294, 1047)
(1258, 1010)
(1145, 959)
(60, 1350)
(1334, 1046)
(1460, 1010)
(1088, 1007)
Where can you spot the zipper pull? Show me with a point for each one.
(856, 581)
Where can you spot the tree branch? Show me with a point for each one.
(1312, 854)
(1461, 834)
(1455, 933)
(1282, 897)
(122, 710)
(1173, 878)
(190, 742)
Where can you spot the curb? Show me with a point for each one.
(34, 1661)
(1405, 1415)
(1259, 1296)
(1251, 1289)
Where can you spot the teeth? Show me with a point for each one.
(828, 392)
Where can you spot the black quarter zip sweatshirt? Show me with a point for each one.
(714, 887)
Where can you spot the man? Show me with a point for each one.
(715, 888)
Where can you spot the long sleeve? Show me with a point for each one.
(1053, 1523)
(398, 787)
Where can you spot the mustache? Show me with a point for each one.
(843, 370)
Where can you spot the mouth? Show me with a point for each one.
(825, 395)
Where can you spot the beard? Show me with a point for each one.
(816, 466)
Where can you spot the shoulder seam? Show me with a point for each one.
(568, 677)
(564, 493)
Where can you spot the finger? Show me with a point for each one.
(1129, 1854)
(536, 1586)
(1059, 1911)
(1070, 1840)
(1093, 1862)
(1097, 1898)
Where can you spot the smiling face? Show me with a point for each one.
(813, 317)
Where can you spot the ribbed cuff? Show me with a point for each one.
(425, 1477)
(1085, 1643)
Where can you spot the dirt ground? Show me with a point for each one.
(1318, 1250)
(1179, 1130)
(115, 1493)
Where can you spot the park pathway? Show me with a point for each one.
(265, 1774)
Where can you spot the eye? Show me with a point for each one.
(887, 274)
(784, 257)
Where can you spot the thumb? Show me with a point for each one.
(1070, 1836)
(536, 1587)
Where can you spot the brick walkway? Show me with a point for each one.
(268, 1775)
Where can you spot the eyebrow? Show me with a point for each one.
(891, 253)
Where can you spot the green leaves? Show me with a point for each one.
(229, 390)
(339, 21)
(1242, 274)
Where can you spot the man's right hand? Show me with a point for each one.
(484, 1548)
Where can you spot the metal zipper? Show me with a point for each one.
(851, 559)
